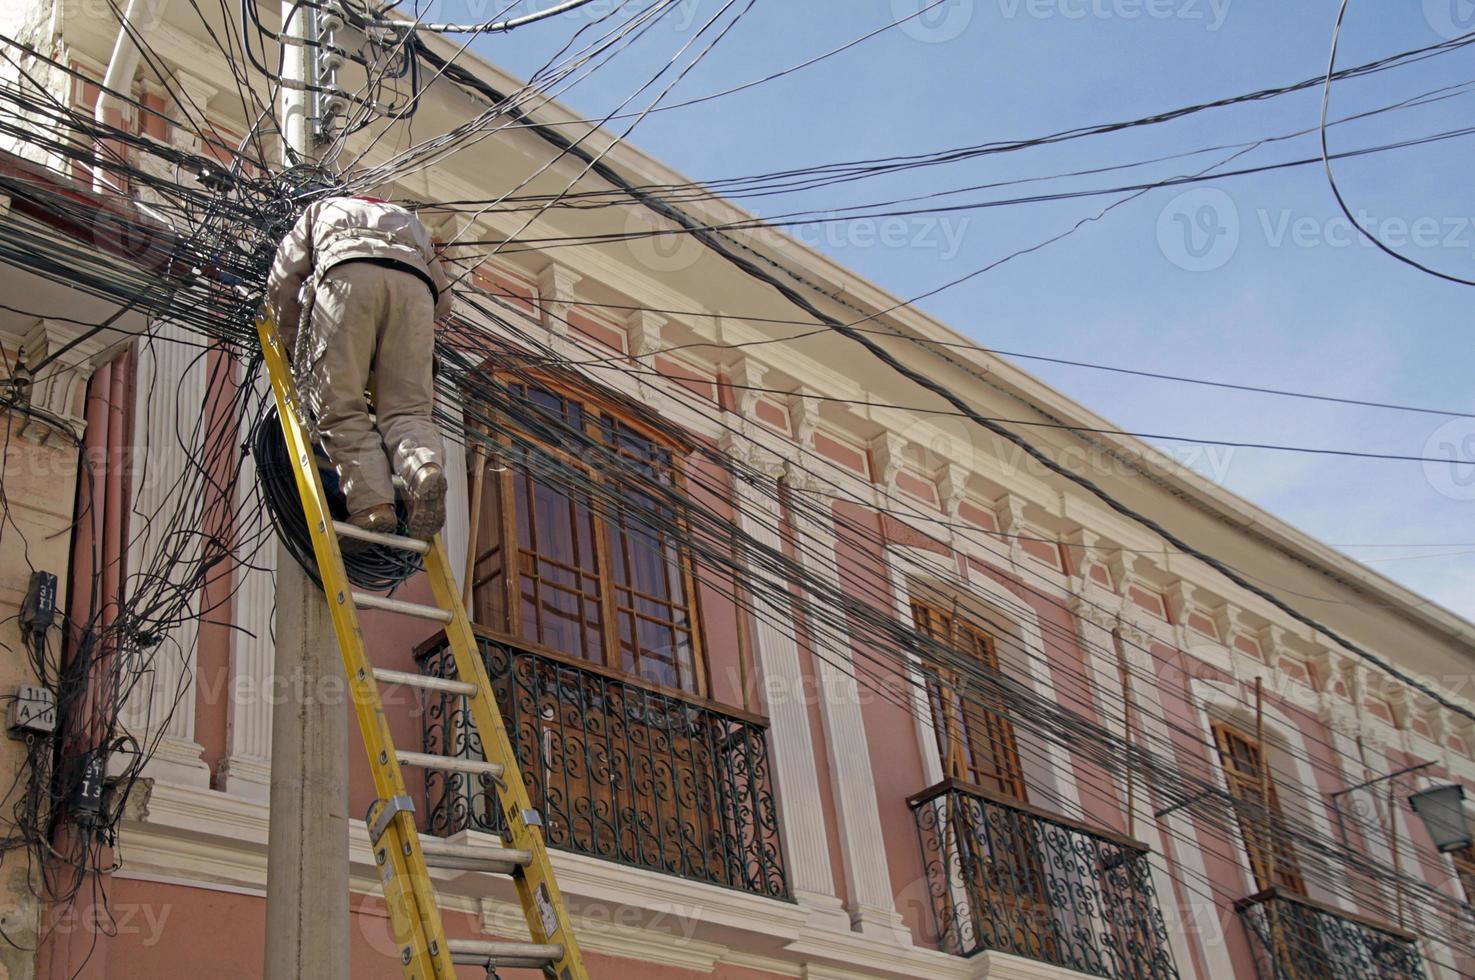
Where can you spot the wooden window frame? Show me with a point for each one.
(596, 408)
(1463, 859)
(1245, 787)
(959, 720)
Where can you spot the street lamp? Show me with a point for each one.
(1443, 811)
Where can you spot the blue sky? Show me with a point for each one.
(1269, 288)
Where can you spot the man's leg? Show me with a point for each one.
(349, 306)
(405, 395)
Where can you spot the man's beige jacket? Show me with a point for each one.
(338, 229)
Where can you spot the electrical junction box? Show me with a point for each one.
(38, 610)
(33, 710)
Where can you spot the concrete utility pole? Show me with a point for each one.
(307, 851)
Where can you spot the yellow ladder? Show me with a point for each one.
(403, 858)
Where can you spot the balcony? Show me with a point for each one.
(619, 769)
(1004, 876)
(1296, 938)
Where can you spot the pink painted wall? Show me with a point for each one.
(178, 932)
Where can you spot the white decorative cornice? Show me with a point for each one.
(1178, 601)
(744, 376)
(1083, 548)
(1119, 571)
(644, 330)
(1230, 621)
(57, 389)
(556, 285)
(952, 487)
(1009, 513)
(886, 457)
(803, 416)
(1272, 640)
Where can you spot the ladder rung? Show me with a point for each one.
(365, 600)
(346, 530)
(453, 763)
(486, 952)
(473, 857)
(425, 682)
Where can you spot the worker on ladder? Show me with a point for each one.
(356, 287)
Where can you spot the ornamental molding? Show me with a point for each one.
(797, 477)
(644, 331)
(744, 376)
(952, 487)
(803, 416)
(556, 285)
(886, 457)
(59, 388)
(754, 460)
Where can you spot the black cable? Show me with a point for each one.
(371, 567)
(1326, 162)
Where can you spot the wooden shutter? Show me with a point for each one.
(1241, 757)
(975, 740)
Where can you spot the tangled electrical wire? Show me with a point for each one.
(373, 567)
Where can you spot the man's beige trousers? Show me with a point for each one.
(364, 319)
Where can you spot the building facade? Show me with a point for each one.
(751, 755)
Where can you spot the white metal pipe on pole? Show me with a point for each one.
(307, 917)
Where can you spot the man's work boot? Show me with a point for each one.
(379, 518)
(426, 502)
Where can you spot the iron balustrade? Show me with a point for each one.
(1005, 876)
(1297, 938)
(619, 769)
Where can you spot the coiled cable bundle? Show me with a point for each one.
(370, 567)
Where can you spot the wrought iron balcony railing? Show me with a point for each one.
(619, 769)
(1297, 938)
(1005, 876)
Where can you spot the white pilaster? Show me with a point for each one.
(792, 742)
(168, 406)
(246, 770)
(1175, 855)
(872, 906)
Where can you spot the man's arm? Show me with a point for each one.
(437, 269)
(293, 264)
